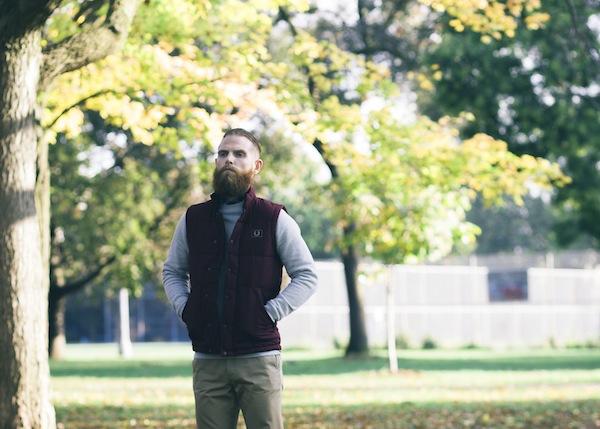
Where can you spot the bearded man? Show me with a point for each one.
(223, 277)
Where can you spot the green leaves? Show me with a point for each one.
(407, 187)
(187, 69)
(114, 200)
(492, 19)
(534, 92)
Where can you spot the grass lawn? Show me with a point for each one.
(434, 389)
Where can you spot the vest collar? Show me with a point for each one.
(248, 198)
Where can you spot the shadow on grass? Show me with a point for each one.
(531, 415)
(429, 361)
(102, 416)
(440, 362)
(122, 369)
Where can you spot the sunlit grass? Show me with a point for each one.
(432, 389)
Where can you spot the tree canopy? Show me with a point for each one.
(538, 91)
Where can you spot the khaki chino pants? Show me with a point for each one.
(223, 387)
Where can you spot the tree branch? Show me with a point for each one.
(312, 87)
(312, 90)
(80, 283)
(592, 51)
(362, 25)
(318, 144)
(91, 44)
(79, 103)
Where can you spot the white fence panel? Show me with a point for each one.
(451, 306)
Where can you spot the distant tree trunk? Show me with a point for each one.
(57, 340)
(56, 325)
(60, 288)
(24, 372)
(358, 344)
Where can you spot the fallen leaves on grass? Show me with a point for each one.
(482, 416)
(555, 415)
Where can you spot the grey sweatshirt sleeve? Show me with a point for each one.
(300, 266)
(176, 278)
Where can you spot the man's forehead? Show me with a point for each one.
(234, 142)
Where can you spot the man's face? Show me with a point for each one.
(236, 165)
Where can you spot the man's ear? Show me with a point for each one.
(258, 165)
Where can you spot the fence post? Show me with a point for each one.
(125, 348)
(391, 320)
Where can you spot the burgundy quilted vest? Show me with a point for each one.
(252, 277)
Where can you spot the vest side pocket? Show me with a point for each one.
(254, 322)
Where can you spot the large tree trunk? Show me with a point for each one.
(358, 344)
(24, 195)
(24, 372)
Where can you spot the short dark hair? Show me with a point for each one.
(243, 133)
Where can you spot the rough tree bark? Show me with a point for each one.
(25, 72)
(24, 373)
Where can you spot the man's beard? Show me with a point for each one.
(230, 183)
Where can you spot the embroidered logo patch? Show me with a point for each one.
(257, 233)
